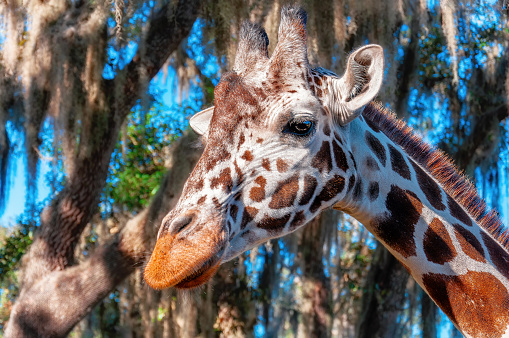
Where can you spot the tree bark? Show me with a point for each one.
(53, 305)
(429, 312)
(54, 294)
(384, 296)
(317, 299)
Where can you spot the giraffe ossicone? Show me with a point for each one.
(285, 141)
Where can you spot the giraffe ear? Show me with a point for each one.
(200, 121)
(359, 85)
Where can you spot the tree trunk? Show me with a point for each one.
(316, 298)
(429, 312)
(169, 320)
(384, 296)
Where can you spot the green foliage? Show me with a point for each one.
(12, 248)
(138, 162)
(13, 245)
(135, 186)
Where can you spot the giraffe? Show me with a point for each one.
(284, 141)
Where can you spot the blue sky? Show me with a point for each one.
(17, 195)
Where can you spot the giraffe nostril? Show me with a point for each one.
(180, 223)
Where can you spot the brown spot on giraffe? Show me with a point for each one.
(240, 174)
(233, 212)
(232, 235)
(333, 187)
(281, 165)
(274, 224)
(477, 301)
(220, 156)
(353, 160)
(247, 216)
(373, 191)
(216, 203)
(326, 129)
(196, 185)
(371, 164)
(259, 140)
(228, 90)
(242, 139)
(285, 193)
(397, 228)
(201, 200)
(224, 179)
(498, 255)
(323, 159)
(429, 187)
(437, 243)
(399, 164)
(247, 233)
(247, 156)
(339, 156)
(376, 146)
(469, 243)
(372, 125)
(310, 184)
(297, 220)
(458, 212)
(266, 164)
(275, 84)
(260, 92)
(257, 194)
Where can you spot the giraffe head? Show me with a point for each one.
(276, 153)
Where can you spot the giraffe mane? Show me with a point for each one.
(440, 166)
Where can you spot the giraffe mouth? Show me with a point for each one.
(201, 276)
(185, 263)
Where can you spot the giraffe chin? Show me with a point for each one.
(184, 264)
(202, 276)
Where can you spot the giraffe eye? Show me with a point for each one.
(299, 127)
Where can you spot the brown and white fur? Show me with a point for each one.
(284, 142)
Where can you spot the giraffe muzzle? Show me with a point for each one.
(187, 254)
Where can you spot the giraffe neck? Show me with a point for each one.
(454, 258)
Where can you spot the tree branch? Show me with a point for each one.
(167, 28)
(57, 302)
(63, 298)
